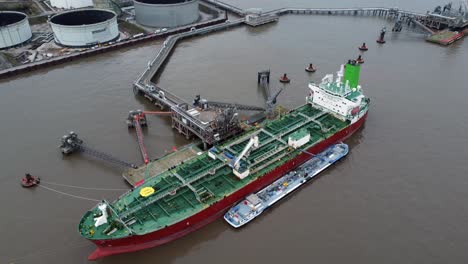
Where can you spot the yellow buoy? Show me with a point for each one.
(146, 191)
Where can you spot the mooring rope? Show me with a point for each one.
(84, 188)
(68, 194)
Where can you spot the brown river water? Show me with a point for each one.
(400, 196)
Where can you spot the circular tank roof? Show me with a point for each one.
(162, 2)
(82, 17)
(8, 18)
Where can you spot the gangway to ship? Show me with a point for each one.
(137, 119)
(72, 143)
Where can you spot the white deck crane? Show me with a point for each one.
(243, 171)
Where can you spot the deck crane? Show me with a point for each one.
(240, 169)
(72, 143)
(137, 119)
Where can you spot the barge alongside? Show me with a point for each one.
(255, 204)
(199, 190)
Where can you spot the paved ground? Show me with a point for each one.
(154, 168)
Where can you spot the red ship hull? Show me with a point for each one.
(208, 215)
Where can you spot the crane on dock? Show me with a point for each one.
(271, 103)
(71, 143)
(205, 104)
(137, 119)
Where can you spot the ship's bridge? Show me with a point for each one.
(337, 89)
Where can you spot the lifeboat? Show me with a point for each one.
(284, 79)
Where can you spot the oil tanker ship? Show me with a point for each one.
(199, 190)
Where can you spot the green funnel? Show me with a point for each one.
(351, 74)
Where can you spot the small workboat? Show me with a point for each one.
(29, 181)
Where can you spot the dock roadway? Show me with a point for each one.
(156, 167)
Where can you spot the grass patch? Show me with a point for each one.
(38, 20)
(130, 28)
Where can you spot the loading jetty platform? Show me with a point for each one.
(185, 117)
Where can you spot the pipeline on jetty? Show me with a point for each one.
(182, 115)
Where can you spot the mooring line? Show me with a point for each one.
(84, 188)
(68, 194)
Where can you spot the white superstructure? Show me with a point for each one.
(337, 96)
(299, 139)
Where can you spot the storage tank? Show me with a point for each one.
(67, 4)
(84, 27)
(166, 13)
(14, 29)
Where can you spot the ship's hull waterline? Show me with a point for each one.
(217, 209)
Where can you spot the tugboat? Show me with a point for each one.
(363, 47)
(360, 60)
(29, 181)
(284, 79)
(310, 68)
(256, 203)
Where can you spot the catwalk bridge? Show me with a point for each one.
(183, 114)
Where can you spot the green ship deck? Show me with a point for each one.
(200, 180)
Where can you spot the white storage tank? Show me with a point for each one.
(14, 29)
(67, 4)
(166, 13)
(84, 27)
